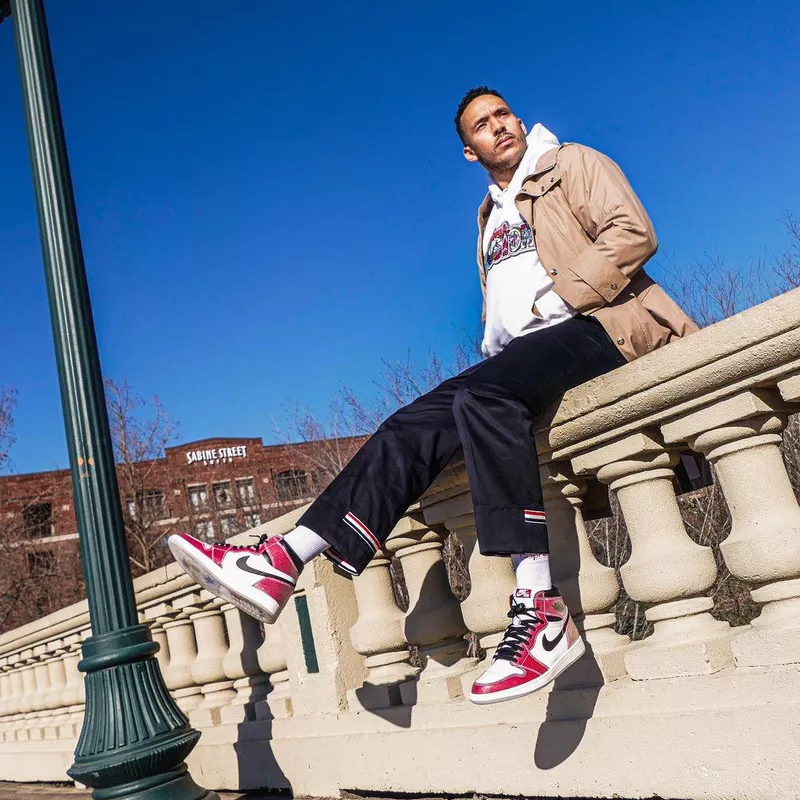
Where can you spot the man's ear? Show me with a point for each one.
(522, 125)
(469, 154)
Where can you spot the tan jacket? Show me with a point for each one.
(593, 237)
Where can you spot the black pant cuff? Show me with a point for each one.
(353, 545)
(511, 530)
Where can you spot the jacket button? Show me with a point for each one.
(620, 340)
(554, 272)
(552, 180)
(613, 285)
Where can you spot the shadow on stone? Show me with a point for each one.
(570, 706)
(393, 702)
(256, 763)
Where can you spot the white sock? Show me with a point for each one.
(305, 544)
(533, 573)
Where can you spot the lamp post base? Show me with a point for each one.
(167, 786)
(134, 738)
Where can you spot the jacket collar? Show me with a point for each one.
(547, 161)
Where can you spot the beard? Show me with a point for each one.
(504, 160)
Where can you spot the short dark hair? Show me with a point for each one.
(478, 91)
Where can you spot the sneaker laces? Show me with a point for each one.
(523, 620)
(261, 539)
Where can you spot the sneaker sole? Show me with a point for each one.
(212, 578)
(567, 660)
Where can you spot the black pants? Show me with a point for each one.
(488, 411)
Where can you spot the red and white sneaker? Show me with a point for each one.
(257, 578)
(539, 644)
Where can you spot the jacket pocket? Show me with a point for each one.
(632, 328)
(666, 311)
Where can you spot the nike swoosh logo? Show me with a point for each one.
(243, 565)
(549, 644)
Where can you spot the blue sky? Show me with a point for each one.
(273, 199)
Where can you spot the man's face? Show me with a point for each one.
(494, 136)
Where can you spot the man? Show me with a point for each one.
(562, 240)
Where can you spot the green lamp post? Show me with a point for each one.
(134, 738)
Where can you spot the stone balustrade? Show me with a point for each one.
(350, 692)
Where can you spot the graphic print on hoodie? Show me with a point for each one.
(515, 278)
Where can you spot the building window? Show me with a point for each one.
(245, 488)
(40, 563)
(38, 520)
(198, 497)
(152, 502)
(204, 530)
(149, 503)
(229, 526)
(222, 494)
(292, 484)
(252, 520)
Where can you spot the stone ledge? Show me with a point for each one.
(730, 337)
(672, 737)
(677, 738)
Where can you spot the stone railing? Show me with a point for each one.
(334, 697)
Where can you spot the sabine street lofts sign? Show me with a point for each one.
(218, 455)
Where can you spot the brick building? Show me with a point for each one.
(212, 488)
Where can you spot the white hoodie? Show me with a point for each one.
(515, 278)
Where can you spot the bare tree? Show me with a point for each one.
(711, 290)
(35, 579)
(787, 266)
(8, 399)
(329, 443)
(403, 380)
(141, 429)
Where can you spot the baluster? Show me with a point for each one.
(240, 664)
(740, 435)
(378, 636)
(71, 697)
(666, 570)
(41, 681)
(485, 610)
(56, 676)
(74, 697)
(56, 681)
(6, 697)
(5, 687)
(17, 694)
(588, 588)
(156, 616)
(272, 661)
(182, 653)
(27, 720)
(28, 695)
(207, 669)
(433, 622)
